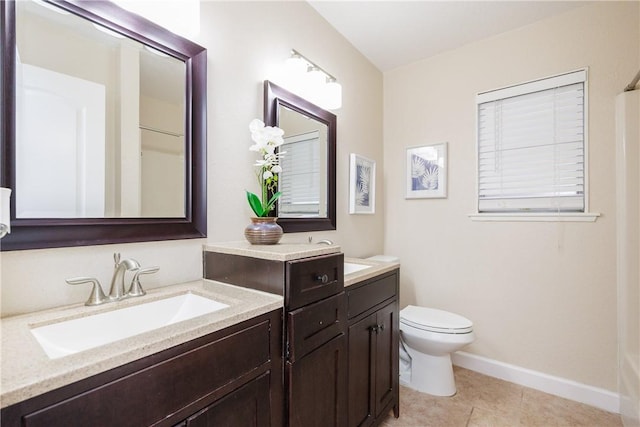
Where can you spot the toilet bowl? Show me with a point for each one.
(429, 337)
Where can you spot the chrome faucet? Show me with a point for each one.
(117, 282)
(116, 293)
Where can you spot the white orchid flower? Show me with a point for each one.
(266, 139)
(256, 125)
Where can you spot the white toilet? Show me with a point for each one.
(430, 336)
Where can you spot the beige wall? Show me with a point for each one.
(541, 295)
(245, 42)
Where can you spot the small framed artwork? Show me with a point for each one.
(427, 171)
(362, 185)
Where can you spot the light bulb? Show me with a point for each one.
(296, 65)
(316, 77)
(333, 91)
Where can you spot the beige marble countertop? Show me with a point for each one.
(279, 252)
(376, 268)
(27, 371)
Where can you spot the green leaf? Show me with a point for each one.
(255, 204)
(272, 201)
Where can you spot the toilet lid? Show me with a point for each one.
(434, 320)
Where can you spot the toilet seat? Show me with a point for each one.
(434, 320)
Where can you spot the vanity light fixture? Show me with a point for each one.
(313, 82)
(296, 64)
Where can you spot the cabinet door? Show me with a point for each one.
(249, 406)
(317, 387)
(361, 371)
(386, 356)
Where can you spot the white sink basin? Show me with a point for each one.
(350, 268)
(72, 336)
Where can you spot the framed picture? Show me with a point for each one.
(427, 171)
(362, 185)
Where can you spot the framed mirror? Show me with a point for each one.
(103, 126)
(308, 177)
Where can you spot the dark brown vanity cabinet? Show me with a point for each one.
(315, 329)
(373, 371)
(232, 377)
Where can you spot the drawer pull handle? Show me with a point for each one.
(322, 278)
(381, 327)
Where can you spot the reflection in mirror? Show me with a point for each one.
(103, 126)
(307, 180)
(99, 121)
(304, 194)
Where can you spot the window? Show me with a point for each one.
(531, 147)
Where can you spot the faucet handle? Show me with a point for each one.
(136, 288)
(97, 296)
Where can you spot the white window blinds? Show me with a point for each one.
(299, 180)
(531, 146)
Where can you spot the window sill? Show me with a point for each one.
(535, 217)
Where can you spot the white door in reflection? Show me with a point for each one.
(60, 160)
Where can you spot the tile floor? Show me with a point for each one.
(490, 402)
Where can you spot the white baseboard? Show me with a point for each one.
(572, 390)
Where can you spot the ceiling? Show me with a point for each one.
(395, 33)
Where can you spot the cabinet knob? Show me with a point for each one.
(322, 278)
(377, 328)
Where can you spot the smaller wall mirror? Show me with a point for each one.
(308, 178)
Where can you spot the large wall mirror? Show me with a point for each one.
(104, 126)
(308, 178)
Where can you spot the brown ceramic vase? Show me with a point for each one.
(263, 231)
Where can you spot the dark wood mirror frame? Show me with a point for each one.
(52, 233)
(275, 96)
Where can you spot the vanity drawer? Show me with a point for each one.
(312, 279)
(371, 293)
(313, 325)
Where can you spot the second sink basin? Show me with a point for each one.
(72, 336)
(352, 268)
